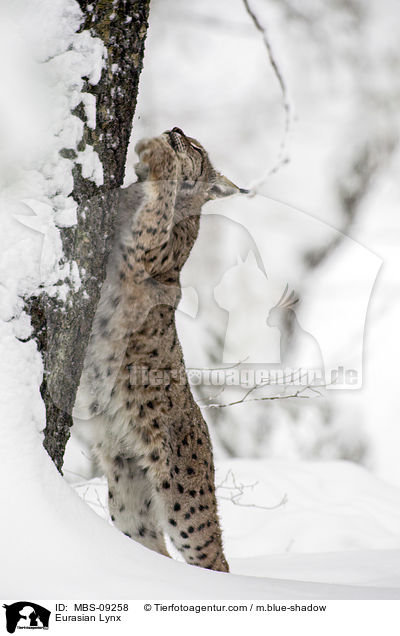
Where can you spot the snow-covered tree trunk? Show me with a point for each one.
(62, 327)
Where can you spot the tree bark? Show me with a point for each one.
(62, 329)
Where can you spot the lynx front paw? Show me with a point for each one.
(157, 160)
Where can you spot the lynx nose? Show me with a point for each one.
(175, 129)
(178, 130)
(176, 137)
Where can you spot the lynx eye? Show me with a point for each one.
(199, 150)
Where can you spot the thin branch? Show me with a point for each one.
(283, 155)
(71, 472)
(88, 486)
(208, 398)
(243, 400)
(237, 492)
(260, 385)
(232, 366)
(232, 499)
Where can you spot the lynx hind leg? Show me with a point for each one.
(197, 535)
(190, 507)
(132, 503)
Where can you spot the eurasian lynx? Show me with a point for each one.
(152, 440)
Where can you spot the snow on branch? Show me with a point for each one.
(283, 155)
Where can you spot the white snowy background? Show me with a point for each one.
(309, 489)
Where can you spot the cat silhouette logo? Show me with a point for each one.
(26, 615)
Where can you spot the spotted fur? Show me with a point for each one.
(152, 440)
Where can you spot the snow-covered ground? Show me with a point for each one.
(276, 507)
(321, 535)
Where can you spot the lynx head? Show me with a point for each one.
(199, 179)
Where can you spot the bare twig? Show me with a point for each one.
(232, 366)
(243, 400)
(283, 501)
(221, 391)
(260, 385)
(71, 472)
(237, 492)
(283, 155)
(88, 486)
(208, 398)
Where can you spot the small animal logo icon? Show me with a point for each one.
(26, 615)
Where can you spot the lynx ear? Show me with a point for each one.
(222, 187)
